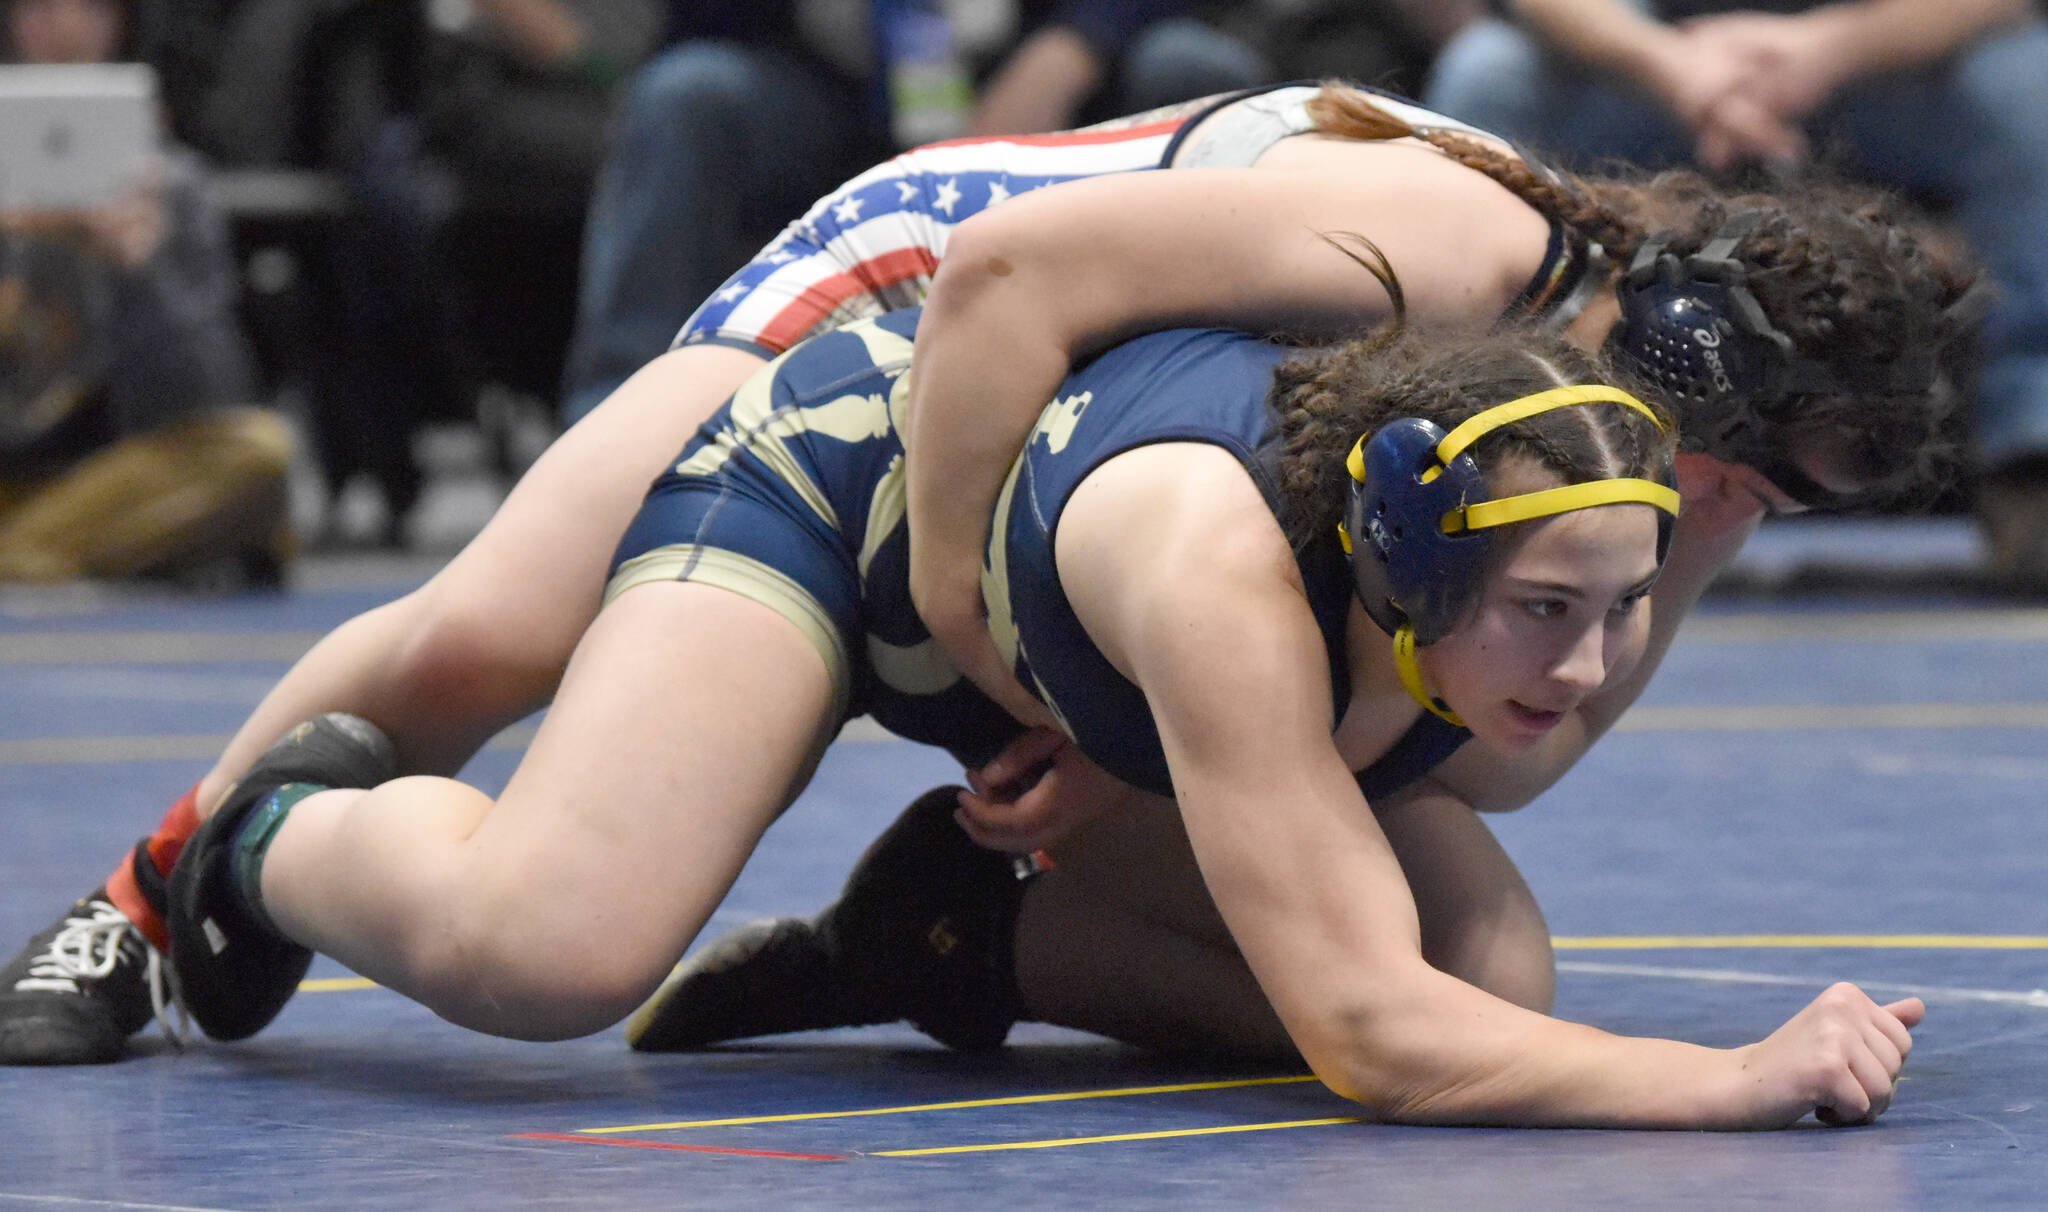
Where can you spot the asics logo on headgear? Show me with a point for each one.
(1717, 370)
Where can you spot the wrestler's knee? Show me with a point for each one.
(469, 653)
(488, 970)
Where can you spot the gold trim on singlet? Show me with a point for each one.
(751, 579)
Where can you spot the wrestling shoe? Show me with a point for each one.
(80, 988)
(922, 931)
(232, 973)
(769, 977)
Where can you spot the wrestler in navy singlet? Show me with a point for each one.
(793, 495)
(1182, 385)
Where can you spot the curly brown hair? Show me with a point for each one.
(1852, 275)
(1325, 399)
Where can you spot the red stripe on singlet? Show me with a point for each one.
(796, 320)
(1075, 137)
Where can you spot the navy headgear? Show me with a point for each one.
(1416, 525)
(1692, 329)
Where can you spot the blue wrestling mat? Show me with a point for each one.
(1817, 787)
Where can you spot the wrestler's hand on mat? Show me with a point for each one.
(1034, 792)
(1839, 1058)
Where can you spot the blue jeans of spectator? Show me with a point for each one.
(1180, 59)
(718, 144)
(1971, 132)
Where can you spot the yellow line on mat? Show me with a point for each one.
(1013, 1101)
(1098, 1140)
(336, 984)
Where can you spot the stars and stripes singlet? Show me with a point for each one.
(872, 245)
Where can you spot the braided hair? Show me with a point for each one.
(1850, 274)
(1325, 399)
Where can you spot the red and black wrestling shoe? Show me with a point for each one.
(233, 973)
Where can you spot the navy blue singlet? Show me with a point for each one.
(793, 495)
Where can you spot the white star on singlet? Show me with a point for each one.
(996, 192)
(730, 293)
(949, 196)
(905, 191)
(848, 211)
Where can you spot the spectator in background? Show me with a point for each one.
(1945, 101)
(517, 105)
(451, 132)
(757, 107)
(127, 443)
(269, 90)
(1388, 44)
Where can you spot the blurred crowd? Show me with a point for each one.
(381, 208)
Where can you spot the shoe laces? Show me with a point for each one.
(89, 948)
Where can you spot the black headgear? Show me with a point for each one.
(1416, 525)
(1692, 329)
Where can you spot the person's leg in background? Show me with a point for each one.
(201, 498)
(1181, 59)
(716, 145)
(1497, 77)
(1973, 135)
(522, 149)
(393, 361)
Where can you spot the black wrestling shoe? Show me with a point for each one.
(922, 931)
(233, 974)
(768, 977)
(79, 989)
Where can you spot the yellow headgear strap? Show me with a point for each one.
(1551, 501)
(1476, 427)
(1411, 676)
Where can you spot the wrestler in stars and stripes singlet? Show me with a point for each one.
(872, 245)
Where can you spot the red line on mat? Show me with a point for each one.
(662, 1144)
